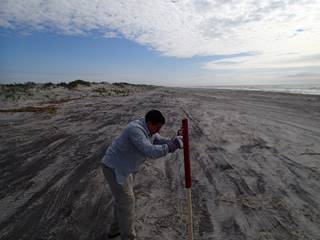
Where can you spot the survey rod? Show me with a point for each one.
(187, 171)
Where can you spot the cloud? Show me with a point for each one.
(182, 29)
(110, 34)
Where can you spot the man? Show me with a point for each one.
(139, 140)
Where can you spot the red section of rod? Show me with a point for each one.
(186, 152)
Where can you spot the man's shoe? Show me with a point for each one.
(113, 235)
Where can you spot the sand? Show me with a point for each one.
(255, 165)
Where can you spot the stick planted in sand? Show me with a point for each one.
(187, 170)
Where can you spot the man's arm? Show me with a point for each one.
(140, 141)
(159, 140)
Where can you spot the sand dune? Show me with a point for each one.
(255, 165)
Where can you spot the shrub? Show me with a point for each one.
(79, 82)
(62, 84)
(29, 84)
(121, 84)
(48, 85)
(74, 84)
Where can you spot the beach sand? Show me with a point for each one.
(255, 165)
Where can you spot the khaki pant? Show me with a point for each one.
(124, 205)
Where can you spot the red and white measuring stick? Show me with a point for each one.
(187, 170)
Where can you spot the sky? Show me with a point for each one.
(168, 42)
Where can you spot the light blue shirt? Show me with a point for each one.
(134, 145)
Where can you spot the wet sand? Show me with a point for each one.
(255, 165)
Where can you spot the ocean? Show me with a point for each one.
(313, 89)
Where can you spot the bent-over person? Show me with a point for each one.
(137, 142)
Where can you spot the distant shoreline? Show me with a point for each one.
(308, 89)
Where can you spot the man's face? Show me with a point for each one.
(154, 128)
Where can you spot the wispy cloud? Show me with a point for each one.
(183, 29)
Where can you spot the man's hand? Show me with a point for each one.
(180, 132)
(180, 141)
(174, 144)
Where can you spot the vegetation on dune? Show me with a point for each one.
(74, 84)
(113, 91)
(48, 85)
(18, 86)
(70, 85)
(14, 91)
(124, 84)
(51, 91)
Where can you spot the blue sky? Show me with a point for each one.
(180, 43)
(93, 57)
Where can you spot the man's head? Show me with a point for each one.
(155, 120)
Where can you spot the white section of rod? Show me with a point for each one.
(189, 220)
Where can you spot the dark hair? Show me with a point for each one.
(155, 117)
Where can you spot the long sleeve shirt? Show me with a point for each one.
(134, 145)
